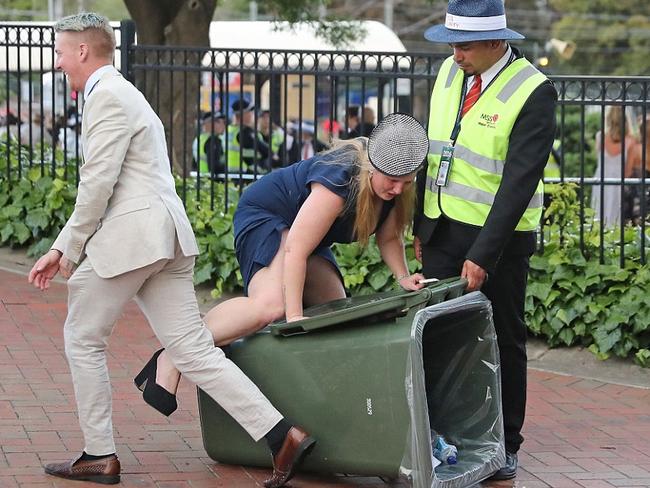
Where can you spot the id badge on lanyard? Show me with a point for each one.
(444, 168)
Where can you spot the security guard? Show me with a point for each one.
(491, 129)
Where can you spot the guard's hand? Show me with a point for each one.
(417, 247)
(412, 282)
(67, 267)
(474, 274)
(45, 269)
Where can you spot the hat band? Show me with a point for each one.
(458, 22)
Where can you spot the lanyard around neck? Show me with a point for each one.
(456, 130)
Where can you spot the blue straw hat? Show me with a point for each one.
(472, 20)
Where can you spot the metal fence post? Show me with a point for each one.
(127, 40)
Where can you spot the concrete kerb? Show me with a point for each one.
(580, 362)
(574, 361)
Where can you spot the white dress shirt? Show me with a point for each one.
(94, 78)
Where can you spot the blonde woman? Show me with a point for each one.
(611, 165)
(286, 222)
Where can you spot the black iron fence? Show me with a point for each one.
(301, 100)
(603, 141)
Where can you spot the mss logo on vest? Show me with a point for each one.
(488, 120)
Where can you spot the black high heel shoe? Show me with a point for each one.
(152, 393)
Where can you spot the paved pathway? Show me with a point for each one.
(579, 432)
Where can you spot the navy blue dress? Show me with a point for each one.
(271, 204)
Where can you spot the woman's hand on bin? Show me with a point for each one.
(295, 318)
(411, 282)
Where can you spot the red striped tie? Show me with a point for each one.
(472, 96)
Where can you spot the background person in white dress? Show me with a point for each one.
(611, 166)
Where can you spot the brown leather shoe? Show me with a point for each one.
(295, 447)
(105, 471)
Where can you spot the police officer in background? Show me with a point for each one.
(274, 137)
(207, 149)
(246, 148)
(360, 121)
(491, 128)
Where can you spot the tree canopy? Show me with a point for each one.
(612, 36)
(165, 22)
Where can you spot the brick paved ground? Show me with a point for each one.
(579, 433)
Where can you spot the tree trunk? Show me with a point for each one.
(173, 23)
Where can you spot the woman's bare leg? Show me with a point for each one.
(239, 316)
(322, 283)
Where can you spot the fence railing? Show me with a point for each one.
(604, 133)
(302, 99)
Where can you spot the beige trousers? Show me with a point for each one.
(165, 293)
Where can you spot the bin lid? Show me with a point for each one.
(380, 305)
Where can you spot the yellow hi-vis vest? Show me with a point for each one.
(198, 152)
(552, 168)
(482, 144)
(234, 152)
(277, 138)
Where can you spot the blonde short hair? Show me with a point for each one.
(96, 26)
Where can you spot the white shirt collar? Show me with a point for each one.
(489, 74)
(94, 78)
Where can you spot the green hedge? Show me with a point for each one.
(216, 262)
(34, 202)
(572, 298)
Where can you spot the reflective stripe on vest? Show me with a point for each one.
(482, 145)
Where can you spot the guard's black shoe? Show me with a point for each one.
(508, 471)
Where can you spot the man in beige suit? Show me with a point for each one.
(129, 238)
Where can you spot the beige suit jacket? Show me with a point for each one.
(127, 214)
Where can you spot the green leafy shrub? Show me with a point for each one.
(35, 206)
(216, 262)
(574, 299)
(364, 271)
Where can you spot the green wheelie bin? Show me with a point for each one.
(369, 377)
